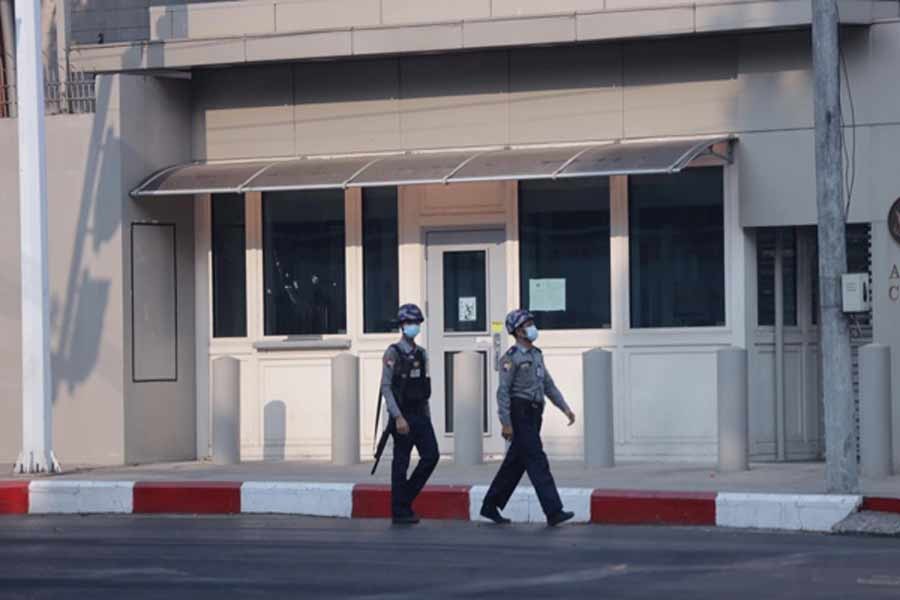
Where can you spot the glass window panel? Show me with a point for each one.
(465, 291)
(765, 275)
(677, 249)
(304, 270)
(564, 252)
(381, 285)
(229, 266)
(448, 393)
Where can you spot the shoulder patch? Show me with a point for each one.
(506, 364)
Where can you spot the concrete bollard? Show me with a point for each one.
(226, 425)
(345, 438)
(733, 408)
(875, 448)
(599, 437)
(468, 403)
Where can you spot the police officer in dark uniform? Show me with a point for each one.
(406, 388)
(524, 381)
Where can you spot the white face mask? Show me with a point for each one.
(531, 332)
(411, 331)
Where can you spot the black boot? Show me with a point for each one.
(559, 518)
(492, 513)
(409, 518)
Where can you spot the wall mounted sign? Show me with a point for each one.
(894, 221)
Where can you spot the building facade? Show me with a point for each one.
(269, 179)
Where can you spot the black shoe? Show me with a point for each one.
(559, 518)
(491, 512)
(410, 519)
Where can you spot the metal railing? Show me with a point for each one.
(76, 95)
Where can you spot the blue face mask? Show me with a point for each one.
(531, 332)
(411, 331)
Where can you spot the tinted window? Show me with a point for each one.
(303, 252)
(677, 249)
(380, 261)
(564, 252)
(229, 266)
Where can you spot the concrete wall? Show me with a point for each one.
(86, 288)
(10, 303)
(160, 416)
(99, 416)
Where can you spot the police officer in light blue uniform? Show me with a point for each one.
(406, 388)
(524, 382)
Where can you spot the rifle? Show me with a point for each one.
(382, 441)
(381, 444)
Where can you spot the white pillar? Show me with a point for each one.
(226, 430)
(599, 438)
(37, 453)
(468, 403)
(733, 407)
(345, 436)
(875, 451)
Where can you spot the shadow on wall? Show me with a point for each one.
(275, 434)
(78, 319)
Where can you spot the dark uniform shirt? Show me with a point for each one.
(524, 376)
(387, 374)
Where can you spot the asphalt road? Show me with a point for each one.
(288, 557)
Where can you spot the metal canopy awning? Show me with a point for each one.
(548, 162)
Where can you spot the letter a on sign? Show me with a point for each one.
(895, 273)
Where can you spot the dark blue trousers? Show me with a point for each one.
(525, 454)
(421, 436)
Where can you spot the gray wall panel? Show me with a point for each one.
(454, 100)
(777, 178)
(565, 94)
(347, 107)
(160, 417)
(244, 112)
(154, 293)
(774, 87)
(677, 87)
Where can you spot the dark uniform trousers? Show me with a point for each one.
(421, 435)
(526, 453)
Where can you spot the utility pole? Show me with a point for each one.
(841, 469)
(37, 413)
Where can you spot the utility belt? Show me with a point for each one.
(417, 409)
(527, 407)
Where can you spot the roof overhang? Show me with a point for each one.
(438, 167)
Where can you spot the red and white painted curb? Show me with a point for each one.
(797, 512)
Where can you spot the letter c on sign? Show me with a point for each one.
(894, 293)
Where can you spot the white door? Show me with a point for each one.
(465, 306)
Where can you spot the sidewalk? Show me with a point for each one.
(794, 478)
(788, 496)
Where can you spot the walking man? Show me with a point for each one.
(406, 388)
(524, 381)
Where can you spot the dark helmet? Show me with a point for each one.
(410, 313)
(516, 319)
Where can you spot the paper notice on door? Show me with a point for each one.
(547, 294)
(468, 309)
